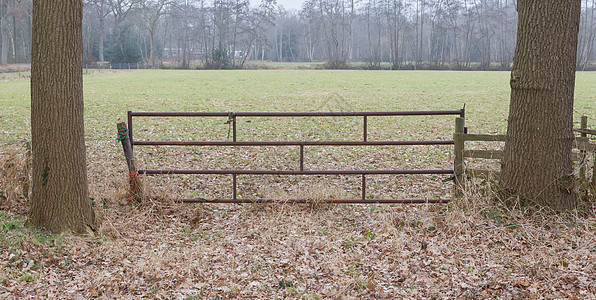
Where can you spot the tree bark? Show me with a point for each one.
(3, 32)
(101, 35)
(537, 155)
(60, 198)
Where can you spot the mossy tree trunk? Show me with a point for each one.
(60, 197)
(537, 157)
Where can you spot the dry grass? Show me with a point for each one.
(471, 248)
(15, 179)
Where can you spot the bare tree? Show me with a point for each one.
(257, 20)
(459, 34)
(102, 10)
(151, 11)
(375, 29)
(312, 24)
(122, 8)
(184, 10)
(337, 21)
(587, 34)
(395, 23)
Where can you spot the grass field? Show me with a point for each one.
(486, 94)
(109, 96)
(466, 249)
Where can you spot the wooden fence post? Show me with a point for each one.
(29, 162)
(594, 173)
(582, 153)
(584, 125)
(136, 191)
(458, 162)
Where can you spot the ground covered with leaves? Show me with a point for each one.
(462, 250)
(471, 248)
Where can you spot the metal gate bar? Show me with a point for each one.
(294, 172)
(460, 112)
(232, 117)
(345, 201)
(292, 143)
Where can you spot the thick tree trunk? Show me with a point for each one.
(60, 200)
(537, 159)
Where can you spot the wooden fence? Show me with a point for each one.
(584, 152)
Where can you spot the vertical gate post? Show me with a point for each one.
(365, 129)
(458, 162)
(594, 173)
(129, 119)
(136, 191)
(582, 153)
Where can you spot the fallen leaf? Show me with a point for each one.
(521, 284)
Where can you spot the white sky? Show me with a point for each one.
(291, 4)
(287, 4)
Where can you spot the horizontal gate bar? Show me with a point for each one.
(292, 143)
(299, 114)
(296, 172)
(353, 201)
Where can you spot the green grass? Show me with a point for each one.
(109, 95)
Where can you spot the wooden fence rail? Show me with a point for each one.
(583, 145)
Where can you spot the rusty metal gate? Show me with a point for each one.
(232, 117)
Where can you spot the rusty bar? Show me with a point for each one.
(293, 143)
(363, 187)
(365, 128)
(349, 201)
(301, 157)
(300, 114)
(234, 186)
(129, 116)
(234, 173)
(296, 172)
(234, 129)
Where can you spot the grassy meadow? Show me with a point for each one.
(470, 248)
(109, 95)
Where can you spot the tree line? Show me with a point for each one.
(224, 34)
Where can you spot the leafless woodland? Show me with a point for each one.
(396, 34)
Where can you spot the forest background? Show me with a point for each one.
(225, 34)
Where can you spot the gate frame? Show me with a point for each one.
(232, 119)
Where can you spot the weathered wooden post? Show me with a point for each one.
(136, 191)
(582, 153)
(594, 173)
(594, 159)
(458, 162)
(26, 178)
